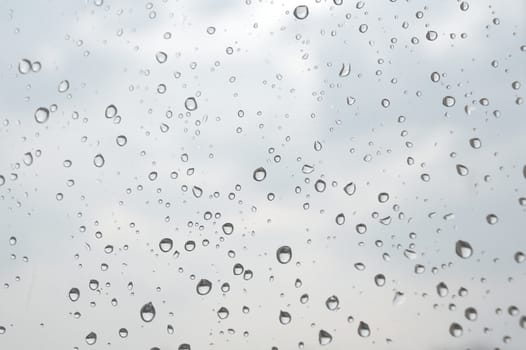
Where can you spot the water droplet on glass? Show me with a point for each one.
(121, 140)
(345, 70)
(41, 115)
(448, 101)
(161, 57)
(462, 170)
(463, 249)
(227, 228)
(332, 302)
(74, 294)
(340, 219)
(350, 188)
(63, 86)
(284, 254)
(379, 280)
(492, 219)
(259, 174)
(110, 112)
(91, 338)
(442, 289)
(98, 160)
(190, 104)
(24, 66)
(471, 314)
(147, 312)
(203, 287)
(324, 337)
(364, 330)
(301, 12)
(431, 35)
(475, 143)
(456, 330)
(320, 185)
(435, 77)
(284, 317)
(519, 257)
(165, 245)
(223, 313)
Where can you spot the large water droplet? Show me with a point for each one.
(492, 219)
(448, 101)
(223, 313)
(190, 104)
(74, 294)
(110, 112)
(91, 338)
(462, 170)
(259, 174)
(471, 314)
(227, 228)
(98, 160)
(301, 12)
(456, 330)
(284, 254)
(379, 280)
(24, 66)
(203, 287)
(324, 337)
(165, 245)
(350, 188)
(332, 302)
(284, 317)
(41, 115)
(463, 249)
(121, 140)
(364, 330)
(147, 312)
(442, 289)
(63, 86)
(320, 185)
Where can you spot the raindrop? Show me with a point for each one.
(364, 330)
(110, 112)
(41, 115)
(324, 337)
(91, 338)
(147, 312)
(161, 57)
(340, 219)
(345, 70)
(165, 245)
(259, 174)
(462, 170)
(320, 185)
(471, 314)
(463, 249)
(227, 228)
(284, 317)
(383, 197)
(203, 287)
(448, 101)
(379, 280)
(456, 330)
(284, 254)
(74, 294)
(223, 313)
(98, 160)
(301, 12)
(475, 143)
(431, 35)
(442, 289)
(350, 188)
(332, 302)
(492, 219)
(190, 104)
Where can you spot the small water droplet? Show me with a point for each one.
(121, 140)
(442, 289)
(492, 219)
(462, 170)
(161, 57)
(63, 86)
(24, 66)
(223, 313)
(332, 303)
(345, 70)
